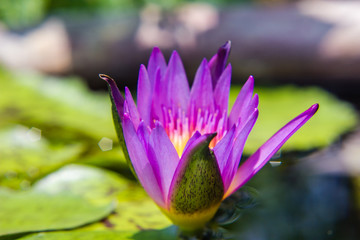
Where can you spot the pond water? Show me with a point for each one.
(296, 204)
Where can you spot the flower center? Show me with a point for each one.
(181, 126)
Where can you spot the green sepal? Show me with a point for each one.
(199, 186)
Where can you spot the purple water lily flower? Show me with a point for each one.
(184, 147)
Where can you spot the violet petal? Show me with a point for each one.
(218, 62)
(144, 95)
(248, 111)
(237, 149)
(159, 98)
(141, 164)
(143, 133)
(116, 97)
(201, 91)
(223, 147)
(194, 137)
(256, 161)
(242, 101)
(222, 89)
(131, 108)
(163, 157)
(156, 63)
(178, 90)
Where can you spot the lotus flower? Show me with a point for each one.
(183, 146)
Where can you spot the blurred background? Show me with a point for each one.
(55, 117)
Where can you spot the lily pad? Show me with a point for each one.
(27, 156)
(277, 106)
(133, 216)
(22, 212)
(134, 211)
(94, 184)
(63, 108)
(163, 234)
(71, 235)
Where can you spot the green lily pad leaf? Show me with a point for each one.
(73, 235)
(113, 160)
(94, 184)
(27, 156)
(134, 211)
(134, 216)
(63, 108)
(163, 234)
(22, 212)
(277, 106)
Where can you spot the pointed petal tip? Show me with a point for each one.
(227, 45)
(314, 108)
(116, 97)
(143, 73)
(228, 70)
(197, 134)
(204, 62)
(175, 59)
(102, 75)
(250, 82)
(156, 61)
(155, 52)
(311, 111)
(109, 80)
(105, 77)
(142, 67)
(156, 49)
(174, 54)
(203, 65)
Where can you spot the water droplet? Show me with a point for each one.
(34, 134)
(10, 174)
(25, 184)
(105, 144)
(32, 171)
(275, 163)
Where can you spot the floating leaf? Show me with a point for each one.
(279, 105)
(113, 160)
(63, 108)
(95, 235)
(134, 216)
(26, 156)
(135, 210)
(94, 184)
(163, 234)
(22, 212)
